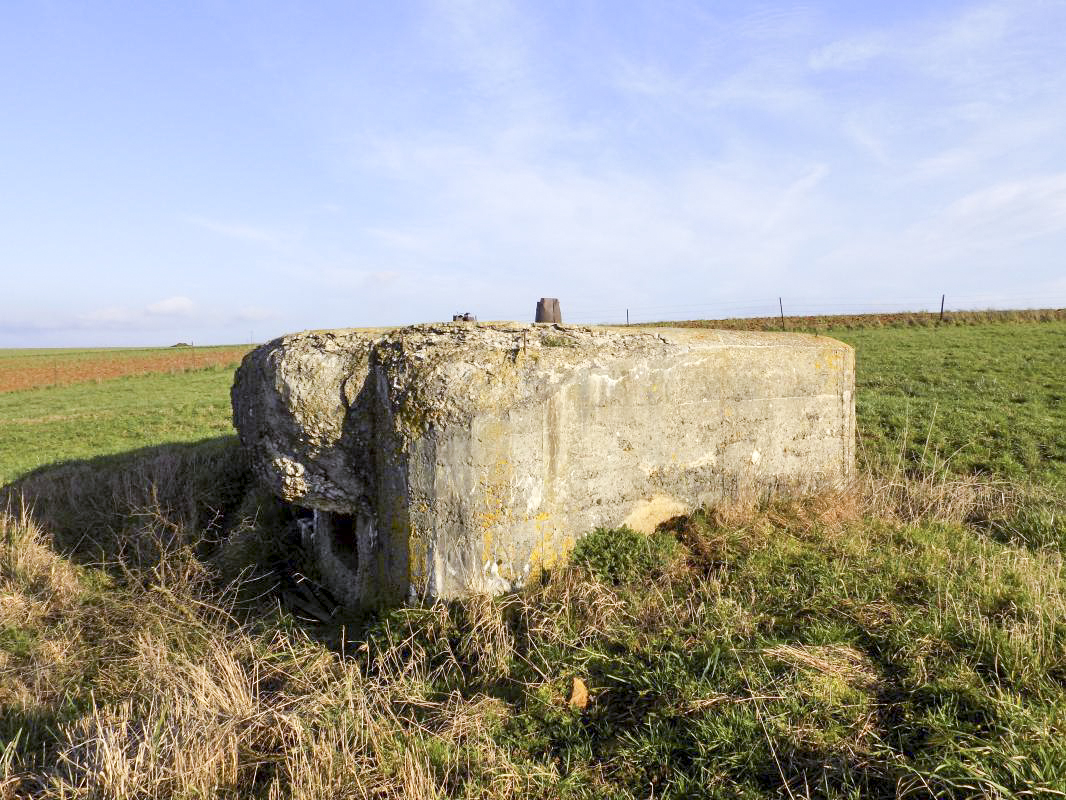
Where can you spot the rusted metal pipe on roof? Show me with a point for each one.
(548, 310)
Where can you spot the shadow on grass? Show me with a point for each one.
(142, 514)
(128, 513)
(35, 732)
(93, 508)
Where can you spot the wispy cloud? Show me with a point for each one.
(1007, 212)
(355, 278)
(171, 313)
(253, 314)
(848, 53)
(478, 155)
(487, 39)
(178, 306)
(159, 313)
(111, 316)
(246, 233)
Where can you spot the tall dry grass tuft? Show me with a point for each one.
(28, 564)
(40, 618)
(935, 496)
(487, 644)
(929, 490)
(188, 700)
(903, 497)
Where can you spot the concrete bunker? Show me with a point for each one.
(444, 460)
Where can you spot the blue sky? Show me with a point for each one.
(220, 171)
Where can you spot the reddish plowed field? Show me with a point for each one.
(29, 369)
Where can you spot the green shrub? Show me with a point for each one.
(556, 341)
(622, 555)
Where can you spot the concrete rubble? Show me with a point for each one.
(450, 459)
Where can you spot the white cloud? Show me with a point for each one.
(769, 23)
(156, 321)
(253, 314)
(658, 157)
(154, 315)
(847, 53)
(934, 43)
(723, 172)
(978, 27)
(793, 196)
(178, 306)
(980, 245)
(483, 36)
(246, 233)
(113, 315)
(352, 277)
(1007, 212)
(503, 226)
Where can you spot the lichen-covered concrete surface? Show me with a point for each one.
(443, 460)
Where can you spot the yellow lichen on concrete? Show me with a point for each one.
(550, 553)
(417, 556)
(834, 361)
(494, 499)
(543, 554)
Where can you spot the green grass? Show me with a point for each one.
(834, 671)
(990, 398)
(906, 637)
(43, 426)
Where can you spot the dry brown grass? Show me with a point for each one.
(191, 699)
(190, 703)
(188, 700)
(904, 495)
(128, 510)
(840, 662)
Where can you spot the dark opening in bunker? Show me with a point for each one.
(343, 539)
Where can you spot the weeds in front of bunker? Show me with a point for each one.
(902, 637)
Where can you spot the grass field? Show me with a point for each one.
(988, 398)
(31, 369)
(160, 636)
(44, 425)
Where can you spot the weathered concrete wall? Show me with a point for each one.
(458, 458)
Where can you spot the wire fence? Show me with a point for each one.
(781, 306)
